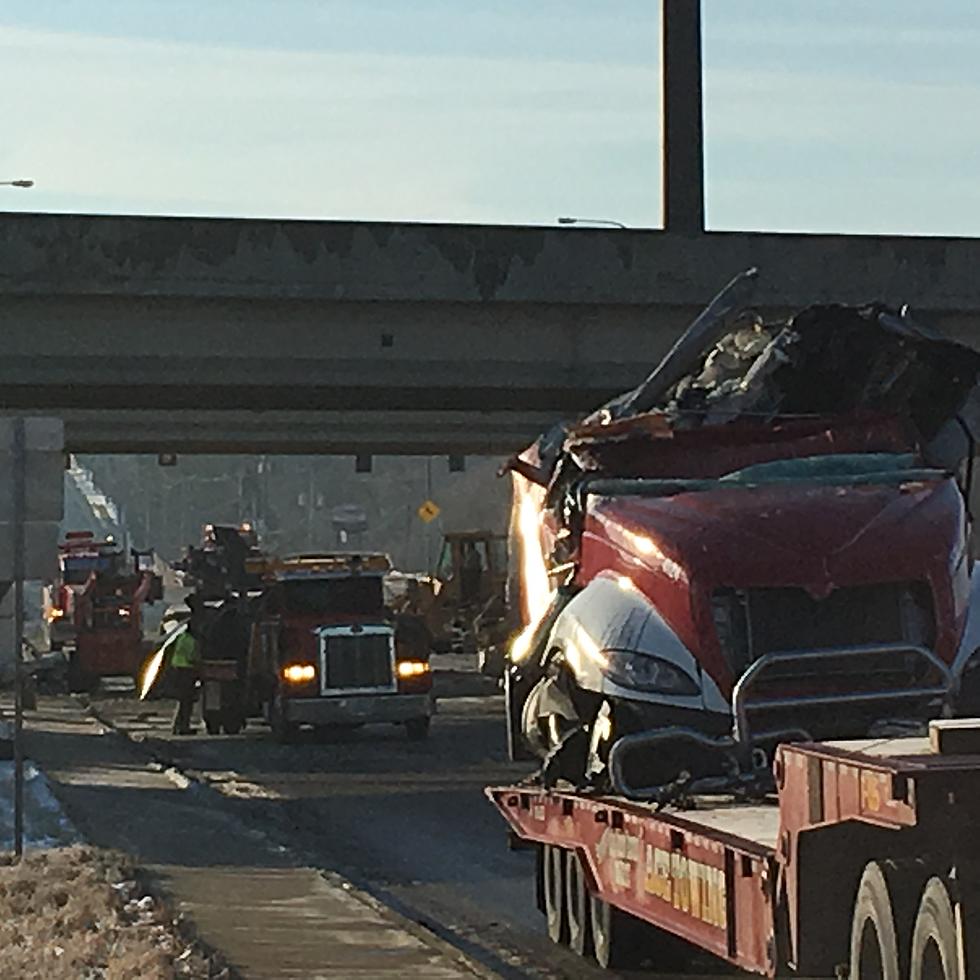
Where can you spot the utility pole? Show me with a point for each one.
(683, 118)
(20, 506)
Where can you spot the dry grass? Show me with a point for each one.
(79, 913)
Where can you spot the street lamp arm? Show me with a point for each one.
(16, 183)
(591, 221)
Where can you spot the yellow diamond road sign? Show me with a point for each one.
(429, 511)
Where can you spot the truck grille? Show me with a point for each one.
(754, 622)
(841, 664)
(354, 662)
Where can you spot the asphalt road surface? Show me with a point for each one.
(407, 821)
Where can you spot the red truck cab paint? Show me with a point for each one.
(327, 653)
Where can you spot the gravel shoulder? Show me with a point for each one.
(82, 912)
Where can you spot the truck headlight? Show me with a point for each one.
(412, 668)
(644, 672)
(299, 673)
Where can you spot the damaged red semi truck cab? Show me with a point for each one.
(330, 653)
(766, 540)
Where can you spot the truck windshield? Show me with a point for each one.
(359, 596)
(76, 570)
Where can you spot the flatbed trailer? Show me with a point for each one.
(865, 863)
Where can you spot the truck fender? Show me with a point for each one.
(612, 614)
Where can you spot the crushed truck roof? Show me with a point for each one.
(829, 378)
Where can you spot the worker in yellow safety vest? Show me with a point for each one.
(184, 667)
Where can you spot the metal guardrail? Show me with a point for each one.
(738, 753)
(742, 705)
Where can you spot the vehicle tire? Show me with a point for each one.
(554, 893)
(79, 680)
(283, 731)
(212, 724)
(577, 905)
(874, 944)
(417, 729)
(232, 722)
(935, 949)
(517, 747)
(616, 939)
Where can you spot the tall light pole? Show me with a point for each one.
(591, 221)
(683, 116)
(16, 183)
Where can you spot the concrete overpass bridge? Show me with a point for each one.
(225, 335)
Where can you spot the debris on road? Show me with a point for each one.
(79, 911)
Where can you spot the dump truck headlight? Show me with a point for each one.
(412, 668)
(643, 672)
(299, 673)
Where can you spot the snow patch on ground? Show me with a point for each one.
(45, 823)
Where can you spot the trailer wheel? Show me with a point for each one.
(212, 724)
(874, 945)
(935, 948)
(417, 729)
(554, 893)
(577, 905)
(616, 935)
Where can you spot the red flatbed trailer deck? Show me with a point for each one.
(865, 864)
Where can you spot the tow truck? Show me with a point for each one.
(325, 651)
(303, 640)
(94, 609)
(742, 578)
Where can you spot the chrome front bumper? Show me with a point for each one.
(358, 709)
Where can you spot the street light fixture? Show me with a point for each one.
(591, 221)
(16, 183)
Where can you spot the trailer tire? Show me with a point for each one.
(935, 947)
(554, 893)
(577, 905)
(212, 724)
(874, 944)
(616, 935)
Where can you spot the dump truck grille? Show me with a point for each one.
(357, 662)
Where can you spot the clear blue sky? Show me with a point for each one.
(821, 115)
